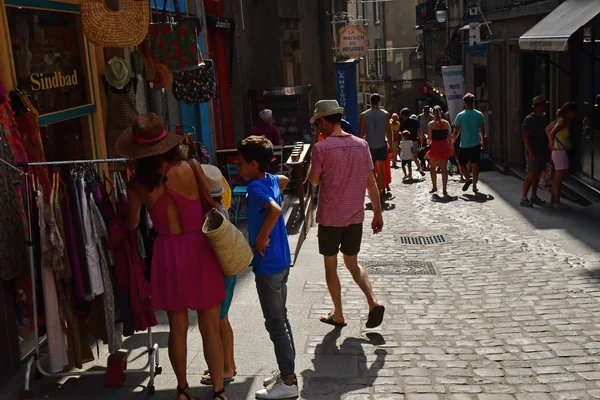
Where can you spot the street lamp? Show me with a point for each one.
(441, 11)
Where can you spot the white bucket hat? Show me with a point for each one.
(325, 108)
(215, 180)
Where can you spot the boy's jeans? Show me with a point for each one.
(272, 293)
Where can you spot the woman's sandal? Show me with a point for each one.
(181, 391)
(219, 395)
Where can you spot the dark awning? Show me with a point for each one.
(553, 32)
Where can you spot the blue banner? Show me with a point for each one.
(347, 92)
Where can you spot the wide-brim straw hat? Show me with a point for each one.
(215, 180)
(118, 73)
(146, 138)
(325, 108)
(163, 78)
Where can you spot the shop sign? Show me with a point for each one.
(347, 91)
(354, 41)
(52, 80)
(219, 22)
(454, 88)
(424, 89)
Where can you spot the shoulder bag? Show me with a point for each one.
(124, 28)
(195, 86)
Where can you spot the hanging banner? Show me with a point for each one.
(455, 90)
(347, 91)
(354, 41)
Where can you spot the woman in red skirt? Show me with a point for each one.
(439, 132)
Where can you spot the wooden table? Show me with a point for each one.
(298, 170)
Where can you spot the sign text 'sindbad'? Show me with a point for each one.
(44, 81)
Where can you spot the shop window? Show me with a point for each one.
(50, 58)
(67, 140)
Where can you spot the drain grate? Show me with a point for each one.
(423, 240)
(400, 268)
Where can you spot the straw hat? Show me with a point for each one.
(325, 108)
(118, 73)
(146, 138)
(539, 100)
(163, 78)
(215, 180)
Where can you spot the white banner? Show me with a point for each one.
(455, 89)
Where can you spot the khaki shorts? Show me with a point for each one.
(332, 239)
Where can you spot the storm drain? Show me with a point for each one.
(423, 240)
(400, 268)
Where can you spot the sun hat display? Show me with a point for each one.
(163, 77)
(127, 27)
(215, 180)
(146, 138)
(539, 100)
(118, 73)
(325, 108)
(137, 62)
(230, 245)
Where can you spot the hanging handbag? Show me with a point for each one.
(175, 45)
(229, 244)
(124, 28)
(195, 86)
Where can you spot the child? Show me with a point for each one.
(268, 236)
(406, 155)
(217, 189)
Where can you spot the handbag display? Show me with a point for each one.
(228, 242)
(124, 28)
(195, 86)
(175, 45)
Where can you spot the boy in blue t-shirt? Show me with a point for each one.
(272, 259)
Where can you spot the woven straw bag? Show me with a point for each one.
(230, 245)
(127, 27)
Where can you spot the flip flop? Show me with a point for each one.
(207, 372)
(329, 321)
(209, 380)
(467, 185)
(375, 317)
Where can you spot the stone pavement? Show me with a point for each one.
(512, 311)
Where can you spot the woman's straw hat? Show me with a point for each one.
(146, 138)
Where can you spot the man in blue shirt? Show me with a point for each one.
(469, 125)
(272, 260)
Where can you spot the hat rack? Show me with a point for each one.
(152, 367)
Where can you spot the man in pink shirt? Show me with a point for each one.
(342, 167)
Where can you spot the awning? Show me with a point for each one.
(553, 32)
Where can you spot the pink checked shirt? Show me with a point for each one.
(344, 163)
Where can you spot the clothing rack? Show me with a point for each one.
(152, 367)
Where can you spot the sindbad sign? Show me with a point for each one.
(53, 80)
(354, 41)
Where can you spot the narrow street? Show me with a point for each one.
(507, 307)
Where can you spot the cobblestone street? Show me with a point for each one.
(512, 311)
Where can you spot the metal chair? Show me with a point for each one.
(238, 192)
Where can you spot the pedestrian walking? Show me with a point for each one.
(375, 129)
(469, 125)
(560, 140)
(272, 259)
(396, 127)
(412, 125)
(406, 155)
(537, 152)
(342, 167)
(424, 119)
(265, 128)
(440, 133)
(176, 195)
(217, 187)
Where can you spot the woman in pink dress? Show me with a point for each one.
(186, 274)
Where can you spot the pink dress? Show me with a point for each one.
(185, 271)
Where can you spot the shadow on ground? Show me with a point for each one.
(319, 380)
(478, 197)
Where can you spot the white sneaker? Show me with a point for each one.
(279, 391)
(271, 380)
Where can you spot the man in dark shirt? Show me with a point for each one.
(537, 152)
(266, 128)
(413, 126)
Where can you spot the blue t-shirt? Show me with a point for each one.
(277, 256)
(470, 122)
